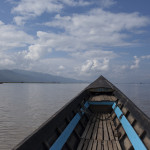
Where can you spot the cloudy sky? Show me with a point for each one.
(80, 39)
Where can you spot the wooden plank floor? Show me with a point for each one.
(103, 97)
(99, 134)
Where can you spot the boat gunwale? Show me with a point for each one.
(136, 112)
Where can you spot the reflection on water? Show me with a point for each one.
(24, 107)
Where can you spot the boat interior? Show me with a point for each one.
(100, 126)
(103, 130)
(101, 117)
(111, 126)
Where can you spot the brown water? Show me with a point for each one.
(24, 107)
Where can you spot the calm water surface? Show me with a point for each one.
(139, 94)
(24, 107)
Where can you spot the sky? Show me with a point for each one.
(80, 39)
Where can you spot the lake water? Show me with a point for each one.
(24, 107)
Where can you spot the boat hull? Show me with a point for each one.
(67, 128)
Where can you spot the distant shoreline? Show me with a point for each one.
(48, 82)
(132, 83)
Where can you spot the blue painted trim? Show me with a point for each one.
(113, 106)
(100, 102)
(59, 143)
(86, 105)
(132, 135)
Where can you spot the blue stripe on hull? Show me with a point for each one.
(66, 133)
(59, 143)
(101, 102)
(132, 135)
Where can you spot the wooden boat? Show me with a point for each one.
(101, 117)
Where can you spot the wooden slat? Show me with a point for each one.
(114, 145)
(114, 98)
(100, 130)
(113, 116)
(99, 145)
(100, 121)
(110, 132)
(101, 98)
(85, 131)
(94, 145)
(93, 98)
(99, 134)
(118, 145)
(110, 145)
(94, 135)
(105, 130)
(89, 133)
(80, 144)
(94, 118)
(114, 130)
(125, 110)
(105, 145)
(109, 98)
(85, 144)
(115, 137)
(105, 97)
(130, 118)
(87, 128)
(90, 145)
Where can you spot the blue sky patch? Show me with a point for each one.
(80, 39)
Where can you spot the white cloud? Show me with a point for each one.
(84, 35)
(89, 65)
(136, 63)
(11, 37)
(145, 57)
(5, 60)
(95, 65)
(107, 3)
(99, 27)
(76, 3)
(87, 39)
(123, 67)
(20, 20)
(61, 67)
(37, 51)
(94, 54)
(74, 66)
(36, 7)
(27, 9)
(138, 60)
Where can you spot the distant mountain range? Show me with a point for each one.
(30, 76)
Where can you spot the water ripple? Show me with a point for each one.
(24, 107)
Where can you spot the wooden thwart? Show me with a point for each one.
(103, 97)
